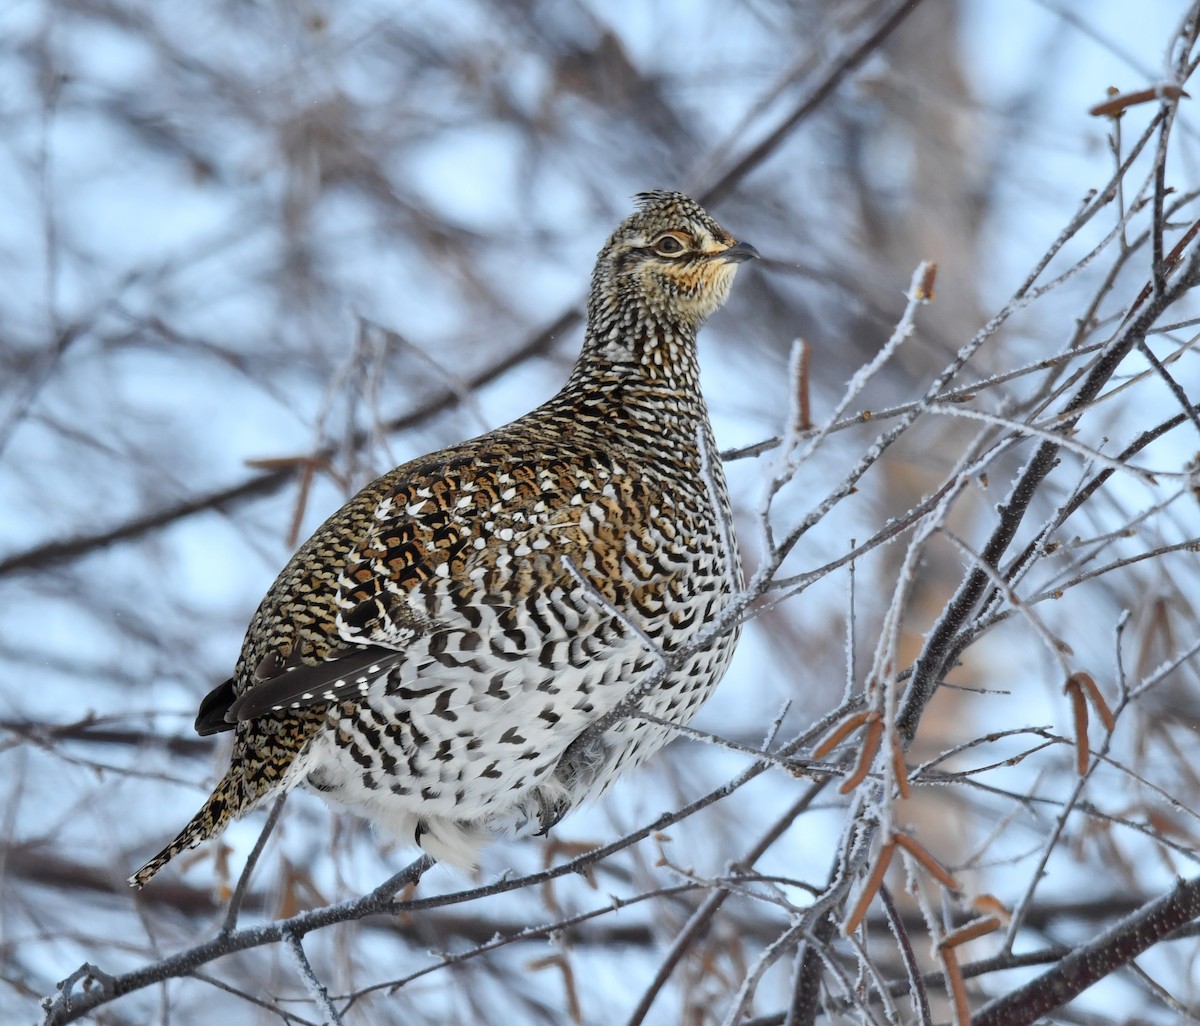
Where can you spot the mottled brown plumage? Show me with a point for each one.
(433, 655)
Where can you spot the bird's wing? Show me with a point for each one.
(440, 541)
(349, 673)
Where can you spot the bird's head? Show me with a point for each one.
(670, 260)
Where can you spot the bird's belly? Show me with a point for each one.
(465, 742)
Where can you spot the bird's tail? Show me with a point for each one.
(224, 804)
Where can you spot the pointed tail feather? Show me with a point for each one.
(223, 805)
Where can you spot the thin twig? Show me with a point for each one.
(703, 915)
(239, 892)
(916, 986)
(294, 946)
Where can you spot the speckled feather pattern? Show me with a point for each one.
(434, 654)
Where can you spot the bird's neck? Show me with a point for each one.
(641, 375)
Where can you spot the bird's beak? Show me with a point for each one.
(738, 253)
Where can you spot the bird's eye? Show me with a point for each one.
(668, 246)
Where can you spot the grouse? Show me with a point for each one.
(445, 654)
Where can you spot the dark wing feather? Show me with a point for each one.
(347, 675)
(211, 717)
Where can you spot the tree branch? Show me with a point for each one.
(1113, 949)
